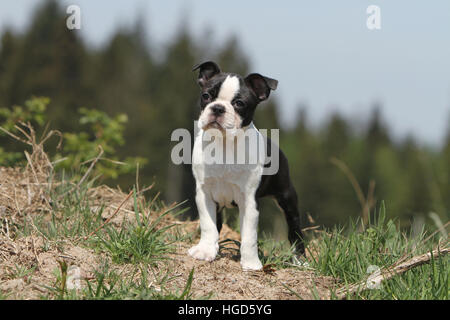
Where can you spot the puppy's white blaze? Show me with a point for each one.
(229, 88)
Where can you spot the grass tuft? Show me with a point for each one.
(350, 256)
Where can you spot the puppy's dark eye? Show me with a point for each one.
(206, 96)
(239, 103)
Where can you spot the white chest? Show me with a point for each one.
(225, 182)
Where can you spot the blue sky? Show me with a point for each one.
(321, 51)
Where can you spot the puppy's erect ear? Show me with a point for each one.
(261, 85)
(208, 70)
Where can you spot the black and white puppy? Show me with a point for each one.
(228, 102)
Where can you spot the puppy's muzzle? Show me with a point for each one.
(217, 110)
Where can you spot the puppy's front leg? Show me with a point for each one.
(208, 246)
(248, 216)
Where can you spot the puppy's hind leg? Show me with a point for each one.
(288, 202)
(219, 218)
(208, 246)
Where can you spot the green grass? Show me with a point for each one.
(20, 271)
(108, 284)
(144, 243)
(348, 254)
(73, 218)
(140, 244)
(140, 241)
(276, 254)
(71, 214)
(3, 296)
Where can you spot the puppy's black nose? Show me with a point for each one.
(217, 109)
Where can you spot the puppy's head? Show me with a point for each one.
(227, 100)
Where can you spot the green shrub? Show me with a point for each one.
(98, 142)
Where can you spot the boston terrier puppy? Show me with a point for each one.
(228, 102)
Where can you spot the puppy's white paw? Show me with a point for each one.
(251, 264)
(204, 251)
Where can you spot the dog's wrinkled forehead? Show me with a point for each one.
(227, 87)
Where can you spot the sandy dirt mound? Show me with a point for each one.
(225, 279)
(220, 279)
(22, 193)
(27, 267)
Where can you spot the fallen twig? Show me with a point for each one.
(390, 272)
(414, 248)
(107, 220)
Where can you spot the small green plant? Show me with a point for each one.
(32, 112)
(141, 240)
(72, 215)
(20, 271)
(110, 285)
(277, 254)
(82, 147)
(107, 284)
(99, 142)
(59, 288)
